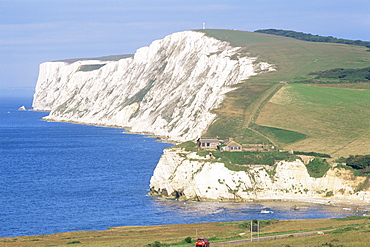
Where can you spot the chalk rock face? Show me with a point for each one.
(167, 88)
(22, 108)
(187, 176)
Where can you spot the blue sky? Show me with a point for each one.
(36, 31)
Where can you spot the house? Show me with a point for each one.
(230, 145)
(208, 143)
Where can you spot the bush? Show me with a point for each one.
(358, 162)
(329, 193)
(188, 239)
(155, 244)
(74, 242)
(317, 167)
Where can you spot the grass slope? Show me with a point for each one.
(337, 120)
(273, 108)
(352, 231)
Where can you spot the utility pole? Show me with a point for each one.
(251, 231)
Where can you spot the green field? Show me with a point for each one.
(350, 231)
(275, 107)
(336, 120)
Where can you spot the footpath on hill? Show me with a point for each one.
(252, 112)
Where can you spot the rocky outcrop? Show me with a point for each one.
(168, 88)
(185, 175)
(22, 108)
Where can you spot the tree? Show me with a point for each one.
(358, 162)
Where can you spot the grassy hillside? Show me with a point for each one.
(276, 107)
(336, 120)
(350, 231)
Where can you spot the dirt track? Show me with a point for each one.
(298, 234)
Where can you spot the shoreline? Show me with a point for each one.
(127, 130)
(346, 204)
(314, 200)
(328, 201)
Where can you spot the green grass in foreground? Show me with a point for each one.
(356, 233)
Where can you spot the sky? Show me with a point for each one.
(37, 31)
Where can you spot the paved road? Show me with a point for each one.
(271, 237)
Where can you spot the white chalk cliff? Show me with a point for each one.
(168, 88)
(187, 176)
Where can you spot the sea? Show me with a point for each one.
(60, 177)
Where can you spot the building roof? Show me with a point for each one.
(208, 139)
(231, 143)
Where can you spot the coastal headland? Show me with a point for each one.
(293, 98)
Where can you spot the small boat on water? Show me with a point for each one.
(265, 211)
(296, 207)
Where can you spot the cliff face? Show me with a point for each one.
(185, 175)
(167, 88)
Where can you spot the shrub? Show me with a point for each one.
(155, 244)
(188, 239)
(358, 162)
(332, 245)
(317, 167)
(329, 193)
(74, 242)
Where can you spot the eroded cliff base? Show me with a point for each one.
(184, 175)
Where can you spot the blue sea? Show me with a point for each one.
(59, 177)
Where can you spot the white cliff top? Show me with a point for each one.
(167, 88)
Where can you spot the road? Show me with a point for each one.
(271, 237)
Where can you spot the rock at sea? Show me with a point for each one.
(22, 108)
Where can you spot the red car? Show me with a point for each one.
(202, 242)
